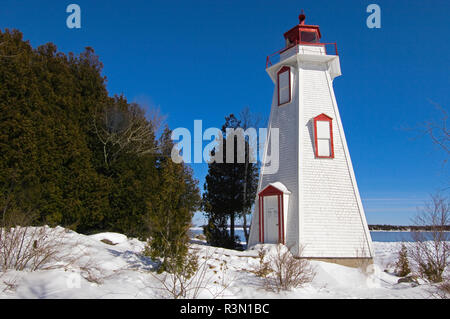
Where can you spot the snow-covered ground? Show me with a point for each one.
(110, 265)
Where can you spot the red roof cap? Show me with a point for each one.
(293, 35)
(302, 18)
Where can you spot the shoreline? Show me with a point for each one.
(374, 230)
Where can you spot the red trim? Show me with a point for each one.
(282, 70)
(262, 205)
(294, 34)
(261, 219)
(304, 43)
(325, 118)
(271, 191)
(279, 219)
(282, 219)
(271, 59)
(260, 210)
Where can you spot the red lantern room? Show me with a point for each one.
(303, 40)
(302, 33)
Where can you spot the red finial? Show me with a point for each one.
(302, 18)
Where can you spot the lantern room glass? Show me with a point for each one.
(309, 37)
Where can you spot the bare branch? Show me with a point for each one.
(126, 131)
(430, 251)
(438, 131)
(282, 271)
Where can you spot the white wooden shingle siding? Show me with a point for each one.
(332, 221)
(325, 213)
(285, 118)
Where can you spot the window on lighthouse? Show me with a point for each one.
(284, 85)
(323, 131)
(309, 36)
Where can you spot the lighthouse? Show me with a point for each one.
(311, 203)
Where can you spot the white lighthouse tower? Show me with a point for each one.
(311, 203)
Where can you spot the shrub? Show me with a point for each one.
(402, 266)
(287, 272)
(23, 247)
(263, 267)
(444, 289)
(430, 251)
(194, 280)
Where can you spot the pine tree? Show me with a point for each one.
(43, 145)
(402, 265)
(51, 157)
(171, 210)
(230, 189)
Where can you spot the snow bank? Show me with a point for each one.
(110, 265)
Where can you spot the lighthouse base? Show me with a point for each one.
(348, 262)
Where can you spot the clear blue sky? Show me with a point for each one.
(205, 59)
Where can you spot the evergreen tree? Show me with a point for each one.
(171, 210)
(249, 120)
(43, 146)
(230, 189)
(402, 265)
(57, 122)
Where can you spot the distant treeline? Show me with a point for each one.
(405, 228)
(396, 228)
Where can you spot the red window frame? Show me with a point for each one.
(323, 118)
(282, 70)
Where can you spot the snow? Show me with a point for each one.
(110, 265)
(113, 237)
(280, 186)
